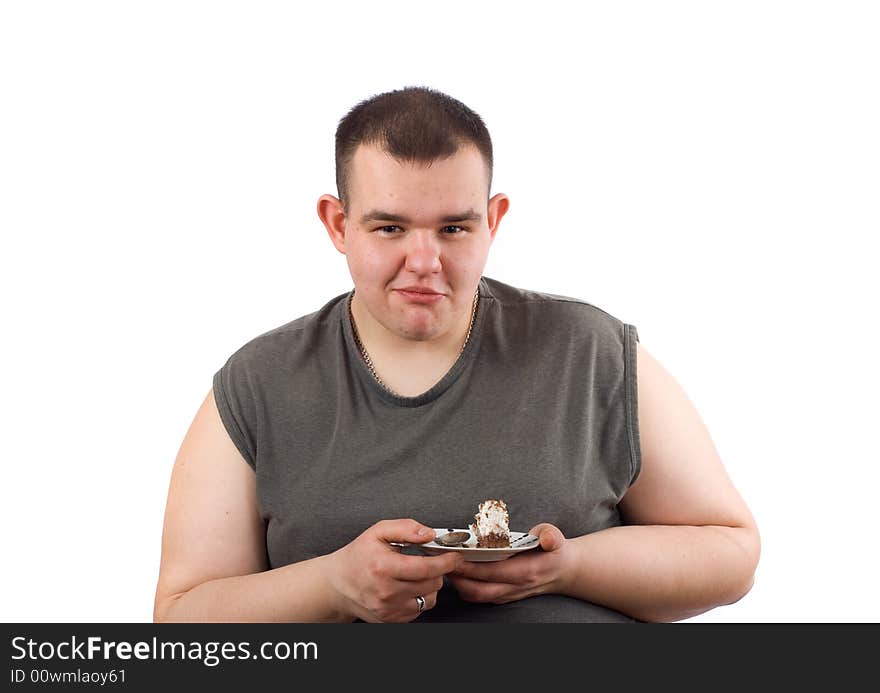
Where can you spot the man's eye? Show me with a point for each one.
(448, 230)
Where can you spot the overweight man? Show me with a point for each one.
(399, 406)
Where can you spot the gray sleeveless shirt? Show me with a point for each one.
(540, 409)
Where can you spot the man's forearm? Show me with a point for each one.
(293, 593)
(662, 572)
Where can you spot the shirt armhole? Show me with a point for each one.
(231, 419)
(631, 338)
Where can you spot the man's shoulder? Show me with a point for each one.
(284, 339)
(555, 308)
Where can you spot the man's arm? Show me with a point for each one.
(690, 542)
(214, 565)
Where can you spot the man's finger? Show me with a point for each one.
(417, 568)
(511, 571)
(478, 591)
(550, 536)
(403, 531)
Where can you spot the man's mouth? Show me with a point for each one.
(419, 290)
(420, 294)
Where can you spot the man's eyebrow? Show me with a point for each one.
(381, 215)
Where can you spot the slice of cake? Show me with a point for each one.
(491, 527)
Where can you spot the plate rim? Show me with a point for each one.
(481, 549)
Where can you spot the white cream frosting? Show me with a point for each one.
(491, 518)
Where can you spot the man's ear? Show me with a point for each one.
(332, 215)
(497, 208)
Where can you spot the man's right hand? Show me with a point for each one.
(378, 584)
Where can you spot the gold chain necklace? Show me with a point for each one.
(369, 361)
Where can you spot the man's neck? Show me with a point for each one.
(382, 343)
(407, 367)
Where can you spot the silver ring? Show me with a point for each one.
(420, 600)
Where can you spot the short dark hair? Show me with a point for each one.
(414, 125)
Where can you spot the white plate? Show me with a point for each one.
(519, 541)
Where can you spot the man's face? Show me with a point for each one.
(424, 227)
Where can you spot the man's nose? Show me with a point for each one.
(422, 252)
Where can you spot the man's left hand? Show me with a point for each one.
(540, 571)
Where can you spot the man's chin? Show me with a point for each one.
(419, 331)
(419, 335)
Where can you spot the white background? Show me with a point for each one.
(705, 171)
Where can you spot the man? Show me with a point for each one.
(400, 406)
